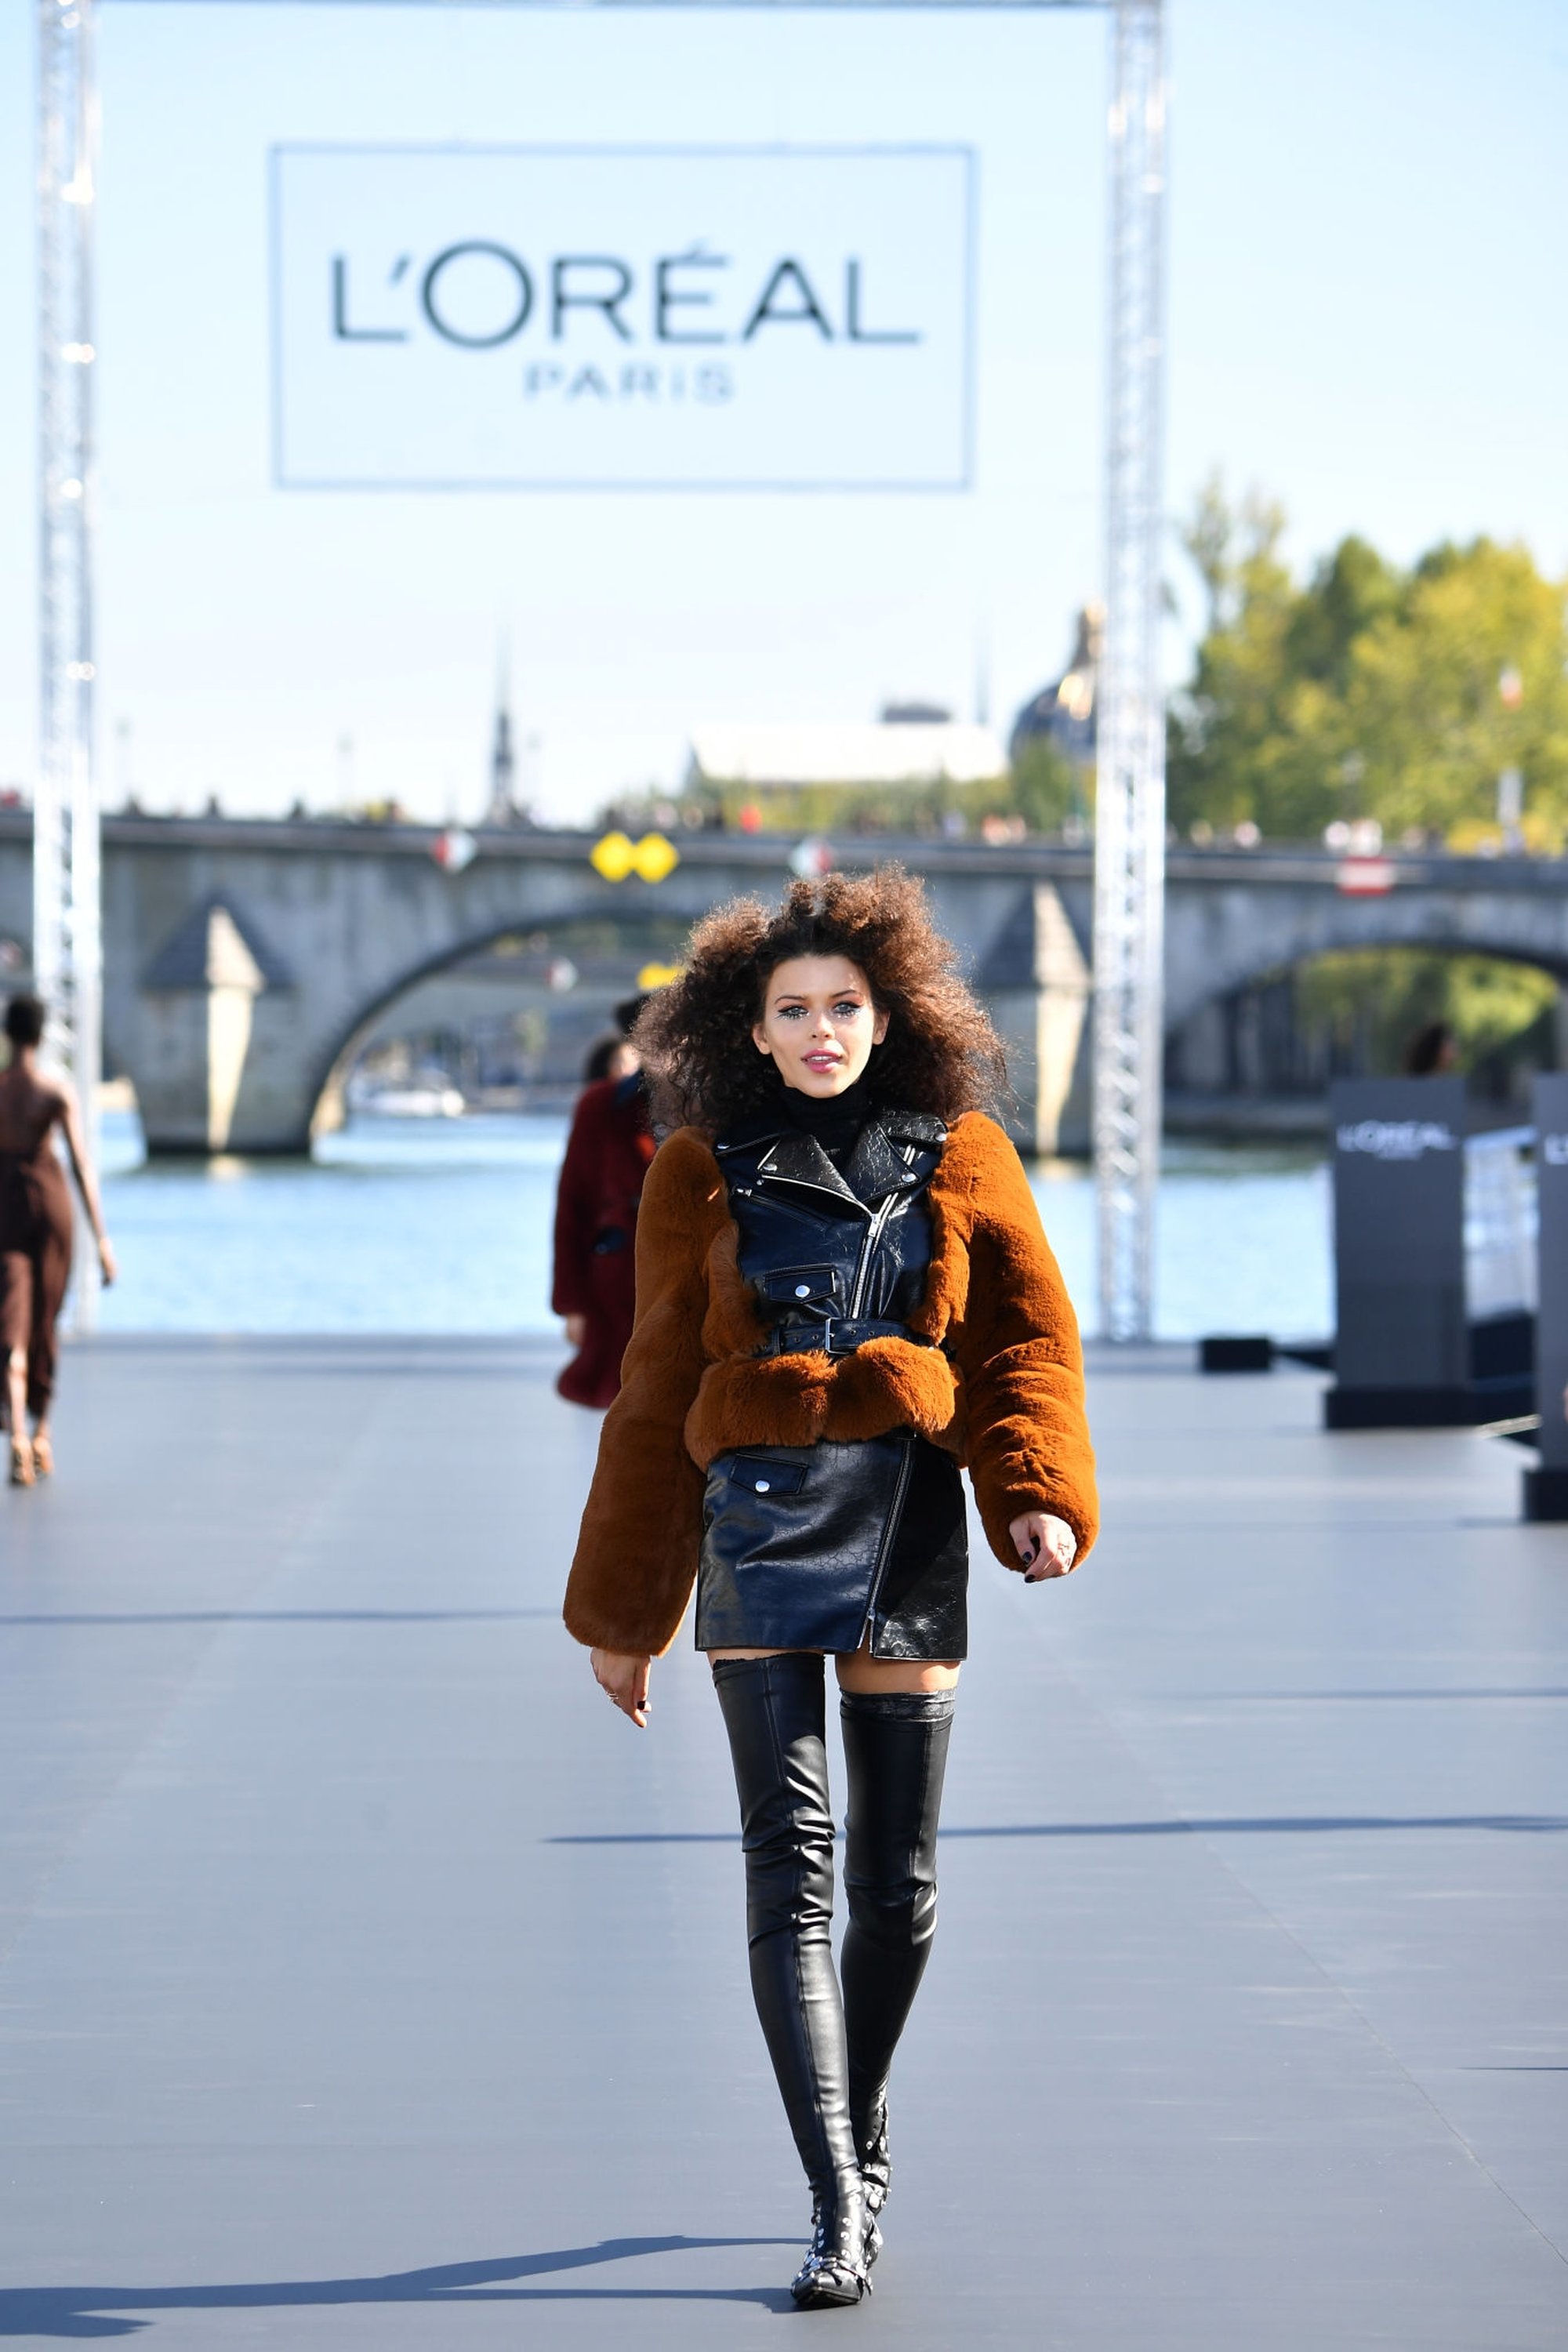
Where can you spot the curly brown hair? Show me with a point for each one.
(940, 1053)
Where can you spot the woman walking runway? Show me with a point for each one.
(843, 1293)
(35, 1234)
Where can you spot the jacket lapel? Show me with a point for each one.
(792, 1159)
(874, 1168)
(798, 1160)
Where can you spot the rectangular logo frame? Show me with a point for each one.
(828, 348)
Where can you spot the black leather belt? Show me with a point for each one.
(835, 1335)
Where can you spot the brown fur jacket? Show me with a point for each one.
(1002, 1390)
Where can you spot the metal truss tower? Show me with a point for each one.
(68, 958)
(1130, 808)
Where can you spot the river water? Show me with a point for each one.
(444, 1225)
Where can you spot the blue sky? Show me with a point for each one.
(1366, 319)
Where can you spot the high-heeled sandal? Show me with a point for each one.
(43, 1457)
(22, 1472)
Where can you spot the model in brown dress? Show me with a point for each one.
(35, 1234)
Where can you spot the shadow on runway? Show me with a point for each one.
(1267, 1825)
(98, 2311)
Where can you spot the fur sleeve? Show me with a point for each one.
(1017, 1348)
(642, 1525)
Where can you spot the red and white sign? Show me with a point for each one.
(454, 849)
(1365, 877)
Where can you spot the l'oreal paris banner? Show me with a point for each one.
(622, 318)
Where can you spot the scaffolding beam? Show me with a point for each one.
(1129, 804)
(67, 957)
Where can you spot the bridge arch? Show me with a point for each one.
(1286, 1033)
(1260, 971)
(646, 934)
(1225, 938)
(337, 922)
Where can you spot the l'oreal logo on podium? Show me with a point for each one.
(1396, 1139)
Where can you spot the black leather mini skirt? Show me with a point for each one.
(810, 1547)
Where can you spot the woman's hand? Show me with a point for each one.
(1046, 1545)
(107, 1266)
(625, 1677)
(576, 1329)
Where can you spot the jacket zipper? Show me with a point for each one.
(871, 1236)
(890, 1530)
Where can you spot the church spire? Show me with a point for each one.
(503, 808)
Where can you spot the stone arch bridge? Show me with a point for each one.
(243, 959)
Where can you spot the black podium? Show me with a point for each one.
(1410, 1350)
(1546, 1489)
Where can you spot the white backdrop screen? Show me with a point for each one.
(619, 317)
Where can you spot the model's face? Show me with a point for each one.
(819, 1024)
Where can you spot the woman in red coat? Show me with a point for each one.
(608, 1155)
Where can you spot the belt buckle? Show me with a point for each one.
(801, 1338)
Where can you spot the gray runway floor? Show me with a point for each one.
(365, 1981)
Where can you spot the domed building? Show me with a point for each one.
(1065, 713)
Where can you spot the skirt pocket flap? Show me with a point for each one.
(764, 1477)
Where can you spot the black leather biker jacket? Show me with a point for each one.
(835, 1259)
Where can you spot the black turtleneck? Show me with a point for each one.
(836, 1120)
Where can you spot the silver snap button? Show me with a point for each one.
(763, 1486)
(802, 1290)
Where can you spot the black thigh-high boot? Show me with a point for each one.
(773, 1712)
(895, 1748)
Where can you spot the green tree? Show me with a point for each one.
(1243, 734)
(1423, 701)
(1368, 691)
